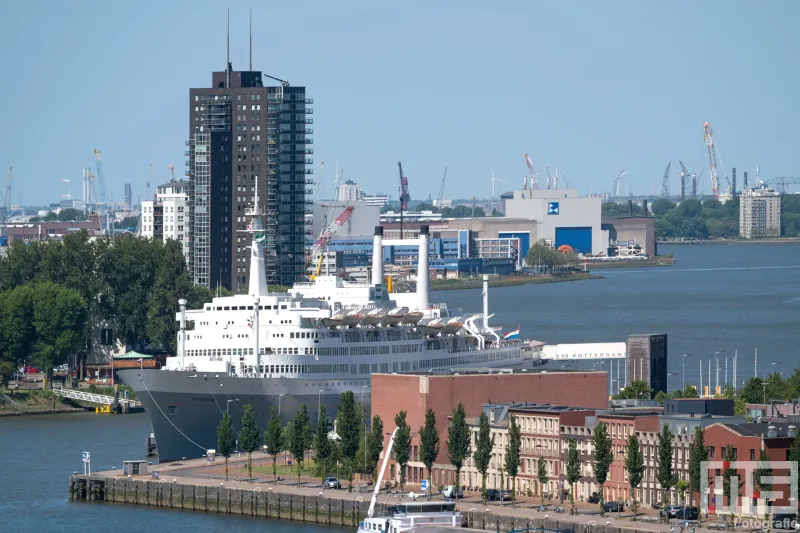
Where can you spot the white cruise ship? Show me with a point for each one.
(305, 347)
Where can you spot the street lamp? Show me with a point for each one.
(364, 415)
(773, 366)
(319, 402)
(683, 370)
(228, 405)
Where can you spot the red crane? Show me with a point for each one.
(712, 159)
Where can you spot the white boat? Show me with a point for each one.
(410, 516)
(374, 317)
(412, 318)
(394, 316)
(353, 317)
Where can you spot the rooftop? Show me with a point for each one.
(756, 429)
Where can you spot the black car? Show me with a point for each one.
(680, 512)
(614, 507)
(594, 498)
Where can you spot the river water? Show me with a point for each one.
(715, 298)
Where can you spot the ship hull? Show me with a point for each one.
(185, 408)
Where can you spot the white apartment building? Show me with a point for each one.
(349, 191)
(167, 216)
(759, 213)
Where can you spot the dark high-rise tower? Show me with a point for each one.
(240, 129)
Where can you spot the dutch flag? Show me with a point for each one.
(139, 360)
(511, 335)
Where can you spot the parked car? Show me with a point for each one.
(332, 483)
(680, 512)
(452, 492)
(594, 498)
(614, 507)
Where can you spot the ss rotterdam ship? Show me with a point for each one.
(307, 346)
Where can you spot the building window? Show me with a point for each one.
(107, 337)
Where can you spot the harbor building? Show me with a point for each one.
(166, 217)
(241, 129)
(562, 217)
(759, 213)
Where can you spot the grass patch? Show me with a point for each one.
(283, 470)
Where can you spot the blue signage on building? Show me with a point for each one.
(552, 208)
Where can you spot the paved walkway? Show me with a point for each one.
(198, 472)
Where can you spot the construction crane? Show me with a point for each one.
(171, 173)
(404, 196)
(102, 186)
(329, 232)
(150, 179)
(529, 163)
(7, 208)
(284, 83)
(712, 159)
(441, 189)
(615, 190)
(780, 184)
(665, 182)
(684, 175)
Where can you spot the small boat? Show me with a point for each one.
(336, 320)
(353, 317)
(432, 327)
(394, 316)
(407, 517)
(374, 317)
(412, 318)
(453, 325)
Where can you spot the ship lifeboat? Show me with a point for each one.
(353, 317)
(432, 327)
(453, 325)
(335, 320)
(412, 318)
(374, 317)
(394, 316)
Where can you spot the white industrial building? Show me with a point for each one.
(167, 217)
(562, 217)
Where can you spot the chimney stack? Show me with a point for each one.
(377, 256)
(422, 269)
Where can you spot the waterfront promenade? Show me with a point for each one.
(194, 485)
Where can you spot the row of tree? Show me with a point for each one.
(65, 215)
(132, 285)
(546, 259)
(695, 219)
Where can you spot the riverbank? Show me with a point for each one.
(25, 403)
(184, 486)
(657, 261)
(774, 240)
(508, 281)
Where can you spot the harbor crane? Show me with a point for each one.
(665, 183)
(7, 206)
(404, 196)
(712, 159)
(529, 163)
(441, 189)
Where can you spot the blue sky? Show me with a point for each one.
(588, 87)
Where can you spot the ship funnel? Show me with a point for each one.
(423, 273)
(377, 256)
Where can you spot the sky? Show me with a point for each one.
(589, 88)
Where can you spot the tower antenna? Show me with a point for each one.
(251, 39)
(228, 54)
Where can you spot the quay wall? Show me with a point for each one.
(274, 504)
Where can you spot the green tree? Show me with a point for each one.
(763, 471)
(16, 318)
(634, 462)
(541, 475)
(513, 460)
(127, 223)
(794, 450)
(573, 470)
(323, 445)
(375, 447)
(664, 474)
(171, 284)
(347, 424)
(402, 445)
(601, 442)
(71, 215)
(458, 441)
(7, 369)
(298, 444)
(59, 322)
(225, 439)
(730, 475)
(698, 454)
(483, 451)
(662, 206)
(682, 486)
(273, 439)
(429, 443)
(249, 436)
(636, 390)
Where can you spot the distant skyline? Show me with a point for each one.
(587, 87)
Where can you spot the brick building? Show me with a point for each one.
(51, 231)
(417, 392)
(747, 441)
